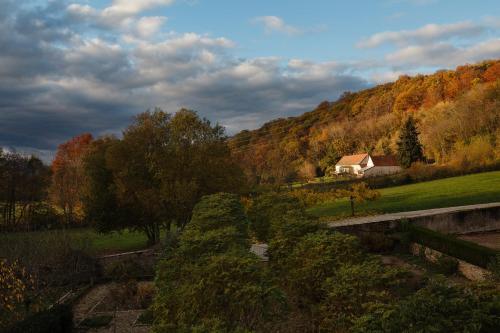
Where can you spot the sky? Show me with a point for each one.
(74, 66)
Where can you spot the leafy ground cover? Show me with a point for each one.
(455, 191)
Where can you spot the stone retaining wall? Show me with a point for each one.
(464, 222)
(470, 271)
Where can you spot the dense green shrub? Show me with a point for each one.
(219, 211)
(438, 307)
(458, 248)
(266, 208)
(233, 289)
(446, 265)
(354, 290)
(209, 281)
(58, 319)
(315, 258)
(194, 244)
(288, 230)
(328, 279)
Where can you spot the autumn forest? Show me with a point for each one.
(457, 112)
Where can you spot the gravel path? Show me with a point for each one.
(123, 321)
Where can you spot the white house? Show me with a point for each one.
(364, 165)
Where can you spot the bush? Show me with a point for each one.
(194, 245)
(458, 248)
(266, 208)
(354, 290)
(15, 288)
(438, 307)
(219, 211)
(288, 230)
(209, 281)
(315, 258)
(446, 265)
(145, 294)
(494, 268)
(231, 288)
(58, 319)
(124, 270)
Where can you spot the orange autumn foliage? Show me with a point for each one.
(68, 175)
(369, 121)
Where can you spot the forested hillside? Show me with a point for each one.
(457, 112)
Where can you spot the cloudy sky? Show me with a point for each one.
(73, 66)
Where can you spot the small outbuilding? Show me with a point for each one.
(365, 165)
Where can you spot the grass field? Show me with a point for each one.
(455, 191)
(117, 242)
(96, 243)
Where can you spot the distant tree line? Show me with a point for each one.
(455, 115)
(24, 182)
(150, 179)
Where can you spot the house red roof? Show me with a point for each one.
(352, 159)
(385, 160)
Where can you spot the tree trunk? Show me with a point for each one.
(351, 199)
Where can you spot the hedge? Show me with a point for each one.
(467, 251)
(58, 319)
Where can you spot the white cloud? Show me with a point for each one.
(443, 54)
(386, 76)
(276, 24)
(121, 14)
(427, 33)
(148, 26)
(132, 7)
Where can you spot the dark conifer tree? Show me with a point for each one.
(409, 146)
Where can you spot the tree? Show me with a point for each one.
(158, 171)
(409, 146)
(195, 163)
(100, 200)
(24, 181)
(358, 193)
(68, 176)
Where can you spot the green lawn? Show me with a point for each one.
(92, 241)
(118, 242)
(455, 191)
